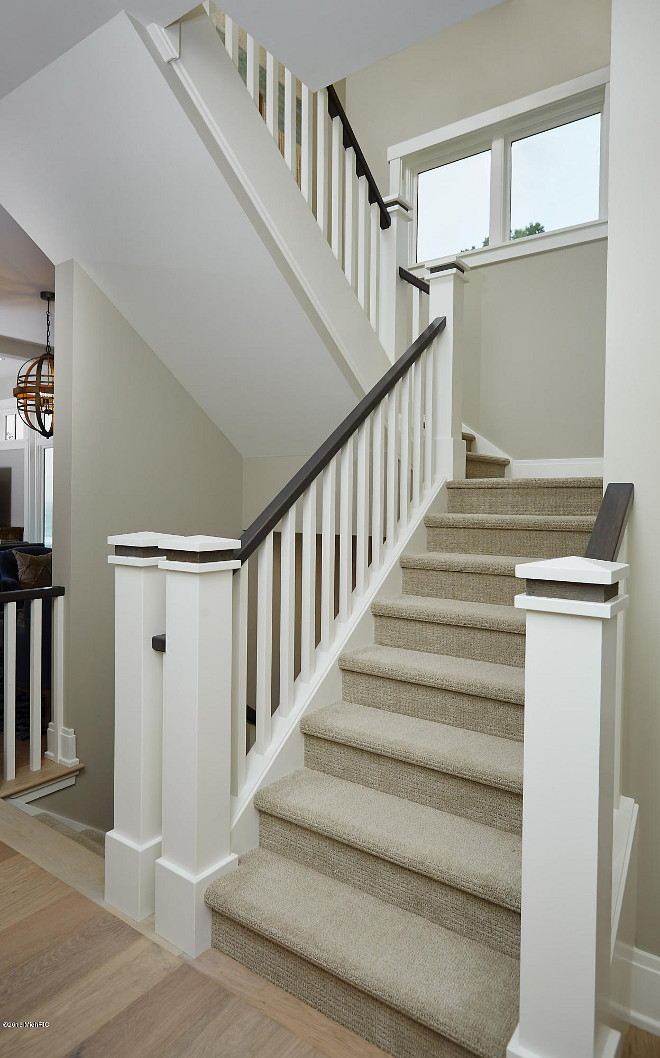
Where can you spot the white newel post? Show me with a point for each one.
(394, 252)
(132, 847)
(196, 735)
(568, 803)
(446, 299)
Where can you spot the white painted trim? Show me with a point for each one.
(43, 791)
(574, 570)
(645, 999)
(483, 447)
(531, 245)
(623, 837)
(497, 115)
(572, 607)
(585, 467)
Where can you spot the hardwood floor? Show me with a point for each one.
(109, 990)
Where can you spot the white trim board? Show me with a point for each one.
(586, 467)
(645, 991)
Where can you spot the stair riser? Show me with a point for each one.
(559, 501)
(450, 793)
(453, 584)
(482, 644)
(489, 715)
(448, 906)
(474, 468)
(393, 1032)
(527, 543)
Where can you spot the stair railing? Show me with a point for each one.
(570, 924)
(253, 628)
(369, 234)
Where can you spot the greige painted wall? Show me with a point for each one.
(535, 353)
(133, 451)
(509, 51)
(632, 399)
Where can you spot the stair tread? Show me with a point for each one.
(464, 675)
(456, 986)
(482, 758)
(526, 483)
(470, 856)
(501, 565)
(481, 457)
(451, 612)
(546, 522)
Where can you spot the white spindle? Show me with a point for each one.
(287, 609)
(346, 530)
(429, 425)
(35, 684)
(377, 488)
(363, 236)
(416, 432)
(416, 313)
(374, 265)
(308, 615)
(322, 151)
(290, 120)
(239, 677)
(336, 235)
(362, 508)
(392, 445)
(264, 642)
(252, 83)
(272, 94)
(307, 143)
(350, 215)
(404, 450)
(328, 555)
(10, 691)
(61, 741)
(231, 39)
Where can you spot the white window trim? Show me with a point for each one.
(495, 130)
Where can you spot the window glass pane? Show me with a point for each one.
(555, 178)
(453, 207)
(48, 497)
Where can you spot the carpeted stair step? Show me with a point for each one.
(557, 496)
(477, 630)
(469, 439)
(477, 695)
(474, 578)
(459, 874)
(546, 536)
(479, 465)
(467, 773)
(408, 985)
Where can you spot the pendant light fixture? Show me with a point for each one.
(35, 385)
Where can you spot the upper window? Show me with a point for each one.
(453, 204)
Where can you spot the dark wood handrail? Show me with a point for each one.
(336, 110)
(256, 533)
(611, 521)
(414, 280)
(32, 593)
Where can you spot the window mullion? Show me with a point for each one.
(604, 154)
(499, 192)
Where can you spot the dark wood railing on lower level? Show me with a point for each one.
(610, 525)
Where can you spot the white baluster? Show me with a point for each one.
(322, 152)
(336, 180)
(272, 95)
(231, 39)
(61, 740)
(350, 218)
(374, 265)
(264, 643)
(35, 684)
(290, 120)
(429, 423)
(446, 299)
(404, 457)
(363, 256)
(239, 667)
(346, 530)
(287, 609)
(392, 476)
(417, 432)
(328, 555)
(10, 690)
(362, 508)
(307, 144)
(377, 488)
(253, 68)
(393, 323)
(308, 616)
(416, 313)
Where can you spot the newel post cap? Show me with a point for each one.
(574, 570)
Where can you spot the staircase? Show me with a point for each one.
(386, 887)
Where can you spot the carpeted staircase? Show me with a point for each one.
(386, 887)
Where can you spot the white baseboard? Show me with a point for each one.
(588, 467)
(645, 991)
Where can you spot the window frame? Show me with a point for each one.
(496, 130)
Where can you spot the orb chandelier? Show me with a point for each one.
(35, 385)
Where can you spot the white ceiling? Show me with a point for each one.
(24, 272)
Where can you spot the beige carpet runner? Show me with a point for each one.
(385, 891)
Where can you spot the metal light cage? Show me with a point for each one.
(34, 392)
